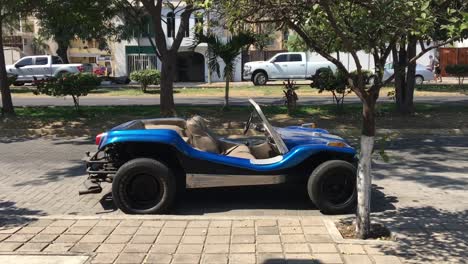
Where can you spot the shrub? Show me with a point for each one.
(11, 79)
(290, 95)
(146, 77)
(74, 85)
(367, 75)
(458, 70)
(326, 80)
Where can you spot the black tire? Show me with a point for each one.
(418, 80)
(260, 78)
(144, 186)
(332, 187)
(60, 74)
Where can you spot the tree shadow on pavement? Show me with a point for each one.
(436, 162)
(55, 175)
(13, 216)
(261, 200)
(427, 234)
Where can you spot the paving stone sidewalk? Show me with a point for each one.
(262, 241)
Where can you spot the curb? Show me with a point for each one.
(155, 217)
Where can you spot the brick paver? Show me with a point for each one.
(133, 247)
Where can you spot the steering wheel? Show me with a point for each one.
(249, 122)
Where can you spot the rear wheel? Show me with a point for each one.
(332, 187)
(143, 186)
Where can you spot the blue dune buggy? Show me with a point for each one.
(149, 161)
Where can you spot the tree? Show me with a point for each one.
(228, 51)
(166, 51)
(40, 45)
(436, 23)
(134, 24)
(66, 20)
(351, 26)
(10, 11)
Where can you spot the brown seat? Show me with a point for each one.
(177, 129)
(203, 139)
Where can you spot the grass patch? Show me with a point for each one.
(93, 119)
(451, 88)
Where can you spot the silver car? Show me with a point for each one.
(422, 74)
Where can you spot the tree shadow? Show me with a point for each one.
(427, 234)
(436, 162)
(78, 169)
(13, 216)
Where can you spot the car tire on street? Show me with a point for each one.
(418, 80)
(260, 78)
(144, 186)
(332, 187)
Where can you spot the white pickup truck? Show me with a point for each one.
(283, 66)
(42, 67)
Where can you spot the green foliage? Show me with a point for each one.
(458, 70)
(65, 20)
(11, 79)
(146, 77)
(228, 51)
(290, 95)
(335, 82)
(294, 43)
(74, 85)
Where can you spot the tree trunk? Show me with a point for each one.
(168, 61)
(7, 102)
(226, 94)
(405, 76)
(364, 177)
(62, 50)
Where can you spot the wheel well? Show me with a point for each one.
(258, 71)
(167, 154)
(419, 75)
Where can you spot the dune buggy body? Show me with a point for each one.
(182, 152)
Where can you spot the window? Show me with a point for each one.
(56, 60)
(281, 58)
(24, 62)
(41, 61)
(187, 30)
(170, 20)
(295, 57)
(389, 66)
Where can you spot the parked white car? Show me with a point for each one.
(42, 67)
(283, 66)
(422, 74)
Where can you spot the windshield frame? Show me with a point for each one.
(282, 148)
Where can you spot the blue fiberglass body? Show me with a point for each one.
(302, 143)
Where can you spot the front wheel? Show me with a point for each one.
(143, 186)
(418, 80)
(332, 187)
(260, 78)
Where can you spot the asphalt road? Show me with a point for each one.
(119, 100)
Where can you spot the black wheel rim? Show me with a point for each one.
(143, 191)
(338, 187)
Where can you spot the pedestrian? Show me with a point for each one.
(437, 70)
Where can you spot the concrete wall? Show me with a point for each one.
(365, 59)
(11, 55)
(120, 57)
